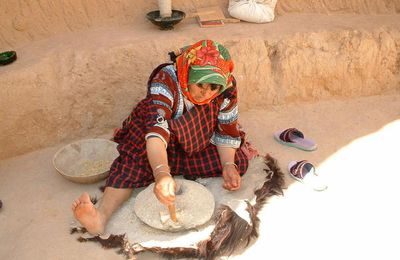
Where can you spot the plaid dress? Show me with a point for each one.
(190, 152)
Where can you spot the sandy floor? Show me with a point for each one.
(353, 219)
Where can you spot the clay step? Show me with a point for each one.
(25, 22)
(82, 84)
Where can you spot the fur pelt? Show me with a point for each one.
(231, 232)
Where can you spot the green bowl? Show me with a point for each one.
(7, 57)
(166, 23)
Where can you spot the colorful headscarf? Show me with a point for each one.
(204, 62)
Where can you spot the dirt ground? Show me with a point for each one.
(23, 21)
(318, 67)
(354, 218)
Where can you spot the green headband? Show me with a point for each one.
(206, 74)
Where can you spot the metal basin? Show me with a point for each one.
(86, 161)
(166, 23)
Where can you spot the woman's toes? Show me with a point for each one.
(84, 198)
(74, 205)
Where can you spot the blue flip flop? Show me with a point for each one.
(295, 138)
(304, 172)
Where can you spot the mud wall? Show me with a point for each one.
(339, 6)
(24, 21)
(68, 88)
(75, 92)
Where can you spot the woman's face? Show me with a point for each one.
(203, 91)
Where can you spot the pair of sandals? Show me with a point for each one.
(302, 171)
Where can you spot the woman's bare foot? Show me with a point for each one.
(89, 216)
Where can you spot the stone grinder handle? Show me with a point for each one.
(172, 212)
(171, 208)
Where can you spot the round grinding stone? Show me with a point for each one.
(194, 206)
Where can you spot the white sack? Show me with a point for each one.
(254, 11)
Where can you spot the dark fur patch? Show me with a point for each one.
(230, 233)
(80, 230)
(113, 241)
(94, 199)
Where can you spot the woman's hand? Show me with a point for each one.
(231, 176)
(164, 188)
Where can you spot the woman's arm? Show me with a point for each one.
(230, 173)
(162, 91)
(164, 187)
(227, 139)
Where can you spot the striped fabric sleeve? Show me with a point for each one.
(162, 94)
(227, 133)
